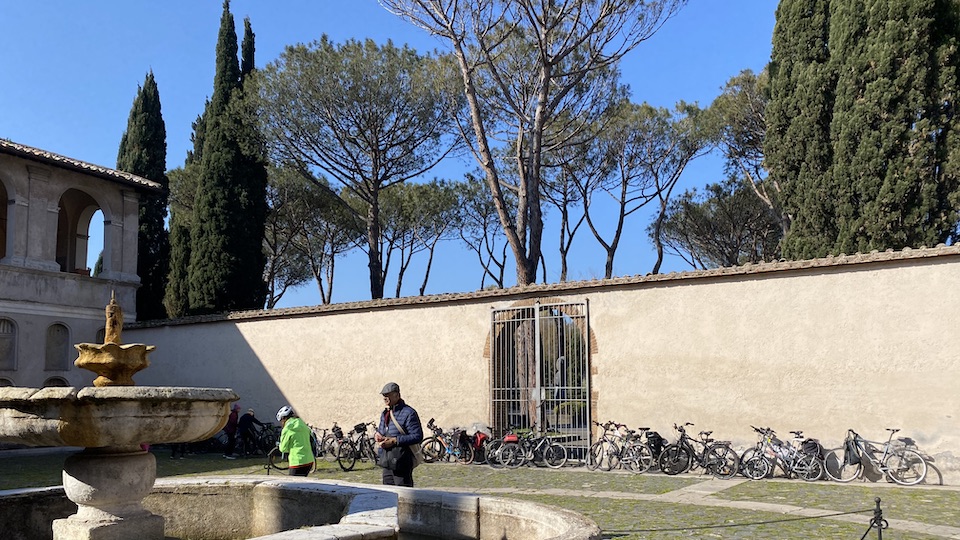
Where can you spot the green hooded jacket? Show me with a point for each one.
(295, 440)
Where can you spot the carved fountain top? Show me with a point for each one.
(114, 362)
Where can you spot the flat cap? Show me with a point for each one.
(390, 387)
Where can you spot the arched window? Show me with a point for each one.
(55, 381)
(8, 345)
(5, 382)
(58, 348)
(77, 210)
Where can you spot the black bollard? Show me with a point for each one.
(876, 522)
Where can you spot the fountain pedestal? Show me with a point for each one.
(108, 485)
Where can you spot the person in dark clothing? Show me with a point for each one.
(248, 435)
(399, 426)
(231, 430)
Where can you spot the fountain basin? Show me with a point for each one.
(242, 507)
(112, 416)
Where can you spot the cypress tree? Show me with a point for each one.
(143, 151)
(252, 178)
(183, 184)
(797, 144)
(891, 180)
(225, 272)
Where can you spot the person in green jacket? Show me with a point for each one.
(295, 441)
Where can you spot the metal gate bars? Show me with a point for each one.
(540, 371)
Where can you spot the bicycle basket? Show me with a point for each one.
(338, 432)
(360, 428)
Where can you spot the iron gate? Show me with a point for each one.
(540, 371)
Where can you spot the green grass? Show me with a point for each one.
(603, 497)
(924, 505)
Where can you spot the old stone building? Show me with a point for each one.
(48, 298)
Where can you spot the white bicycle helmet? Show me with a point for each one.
(284, 412)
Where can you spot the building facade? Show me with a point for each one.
(48, 298)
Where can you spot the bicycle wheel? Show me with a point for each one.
(266, 441)
(905, 467)
(555, 456)
(346, 455)
(809, 468)
(837, 469)
(756, 467)
(431, 449)
(603, 455)
(328, 447)
(636, 458)
(465, 453)
(645, 459)
(492, 453)
(278, 460)
(512, 456)
(368, 451)
(674, 460)
(722, 462)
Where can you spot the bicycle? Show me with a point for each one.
(761, 461)
(716, 457)
(604, 454)
(493, 447)
(453, 446)
(261, 441)
(356, 446)
(329, 441)
(897, 462)
(533, 448)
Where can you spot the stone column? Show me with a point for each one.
(108, 485)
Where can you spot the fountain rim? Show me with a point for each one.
(14, 394)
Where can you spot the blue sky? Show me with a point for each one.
(70, 70)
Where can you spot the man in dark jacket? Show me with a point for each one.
(399, 426)
(248, 435)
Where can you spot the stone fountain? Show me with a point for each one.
(112, 421)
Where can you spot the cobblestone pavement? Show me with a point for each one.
(701, 494)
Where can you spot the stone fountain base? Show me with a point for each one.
(108, 485)
(109, 479)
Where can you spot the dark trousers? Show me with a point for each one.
(402, 476)
(231, 444)
(302, 470)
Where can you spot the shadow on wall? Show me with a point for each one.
(223, 359)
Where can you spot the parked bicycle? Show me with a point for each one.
(533, 447)
(262, 440)
(454, 445)
(329, 441)
(716, 457)
(801, 458)
(900, 464)
(356, 446)
(495, 446)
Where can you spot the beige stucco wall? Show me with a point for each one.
(860, 342)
